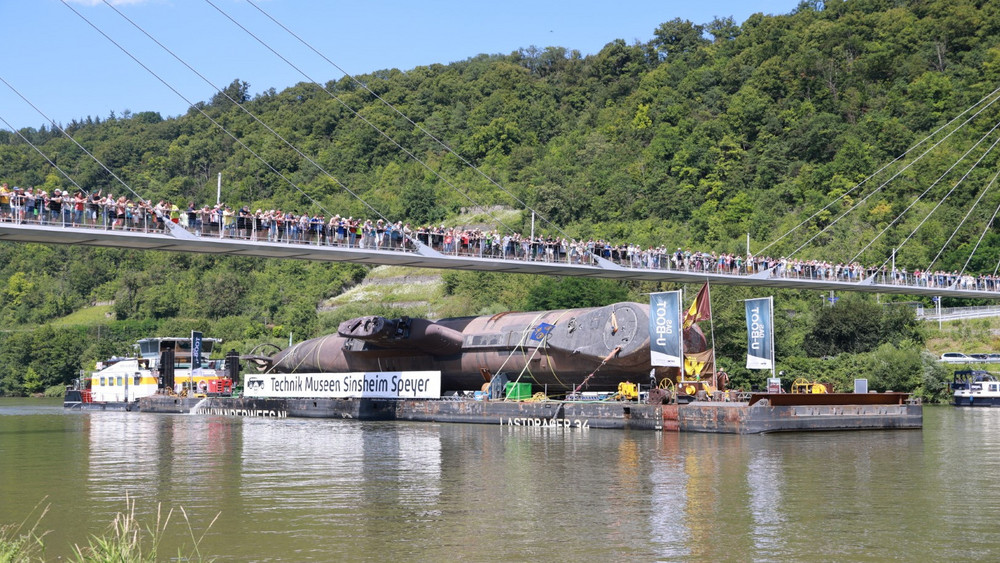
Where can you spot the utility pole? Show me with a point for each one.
(893, 265)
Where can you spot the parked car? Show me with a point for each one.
(956, 358)
(980, 357)
(993, 358)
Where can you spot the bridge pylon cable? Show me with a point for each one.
(942, 200)
(249, 113)
(75, 142)
(360, 116)
(986, 228)
(964, 219)
(197, 108)
(429, 135)
(992, 94)
(43, 155)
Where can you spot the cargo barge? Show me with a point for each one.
(507, 369)
(762, 413)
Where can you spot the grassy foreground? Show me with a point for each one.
(126, 540)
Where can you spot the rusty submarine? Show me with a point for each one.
(573, 360)
(594, 348)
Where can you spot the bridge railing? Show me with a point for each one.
(455, 243)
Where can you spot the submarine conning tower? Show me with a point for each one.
(421, 334)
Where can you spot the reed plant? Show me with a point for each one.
(125, 541)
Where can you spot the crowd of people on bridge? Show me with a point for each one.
(97, 210)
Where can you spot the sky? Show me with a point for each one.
(56, 66)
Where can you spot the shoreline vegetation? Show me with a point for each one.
(126, 539)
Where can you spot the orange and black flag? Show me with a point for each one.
(700, 309)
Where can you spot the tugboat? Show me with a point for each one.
(975, 388)
(160, 362)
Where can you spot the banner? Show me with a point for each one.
(195, 353)
(665, 329)
(760, 333)
(375, 385)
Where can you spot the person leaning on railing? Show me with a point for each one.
(82, 209)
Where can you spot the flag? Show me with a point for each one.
(698, 364)
(700, 310)
(196, 343)
(541, 331)
(195, 349)
(664, 329)
(760, 333)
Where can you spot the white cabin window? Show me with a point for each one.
(993, 386)
(102, 380)
(137, 380)
(120, 382)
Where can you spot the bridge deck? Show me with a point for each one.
(180, 240)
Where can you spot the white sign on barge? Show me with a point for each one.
(352, 385)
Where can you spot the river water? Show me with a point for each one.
(319, 490)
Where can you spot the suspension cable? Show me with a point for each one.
(962, 222)
(248, 112)
(985, 229)
(81, 147)
(893, 177)
(441, 143)
(43, 155)
(939, 203)
(359, 116)
(194, 106)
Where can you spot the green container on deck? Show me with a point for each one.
(518, 391)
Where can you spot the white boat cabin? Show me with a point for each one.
(128, 379)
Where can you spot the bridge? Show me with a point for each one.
(417, 254)
(785, 273)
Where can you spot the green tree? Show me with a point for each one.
(680, 36)
(573, 292)
(856, 325)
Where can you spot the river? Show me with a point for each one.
(317, 490)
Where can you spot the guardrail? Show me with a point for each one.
(957, 313)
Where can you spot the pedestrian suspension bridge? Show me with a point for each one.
(780, 263)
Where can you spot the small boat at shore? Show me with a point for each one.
(975, 388)
(118, 383)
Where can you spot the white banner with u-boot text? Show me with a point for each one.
(665, 329)
(369, 385)
(760, 333)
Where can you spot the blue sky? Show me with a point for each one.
(68, 70)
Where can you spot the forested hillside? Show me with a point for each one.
(694, 138)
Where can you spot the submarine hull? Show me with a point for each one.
(558, 349)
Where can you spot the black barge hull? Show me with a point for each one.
(715, 417)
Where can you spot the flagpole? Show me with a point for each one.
(711, 327)
(680, 314)
(774, 361)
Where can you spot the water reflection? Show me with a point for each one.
(316, 490)
(668, 516)
(763, 473)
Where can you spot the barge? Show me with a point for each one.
(761, 413)
(483, 370)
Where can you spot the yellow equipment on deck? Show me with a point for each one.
(627, 391)
(802, 385)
